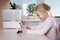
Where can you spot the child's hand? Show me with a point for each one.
(28, 27)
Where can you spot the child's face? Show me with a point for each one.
(41, 14)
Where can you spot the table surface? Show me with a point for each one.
(6, 34)
(33, 37)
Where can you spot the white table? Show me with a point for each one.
(10, 34)
(33, 37)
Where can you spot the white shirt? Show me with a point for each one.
(43, 27)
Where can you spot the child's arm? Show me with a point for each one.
(46, 26)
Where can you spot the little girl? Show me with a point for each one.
(47, 26)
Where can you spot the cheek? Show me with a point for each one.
(41, 16)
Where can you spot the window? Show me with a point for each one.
(25, 3)
(55, 6)
(15, 1)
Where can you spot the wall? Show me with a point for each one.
(40, 1)
(11, 18)
(11, 15)
(4, 4)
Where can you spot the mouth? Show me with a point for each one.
(41, 18)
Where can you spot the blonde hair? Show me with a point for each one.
(44, 6)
